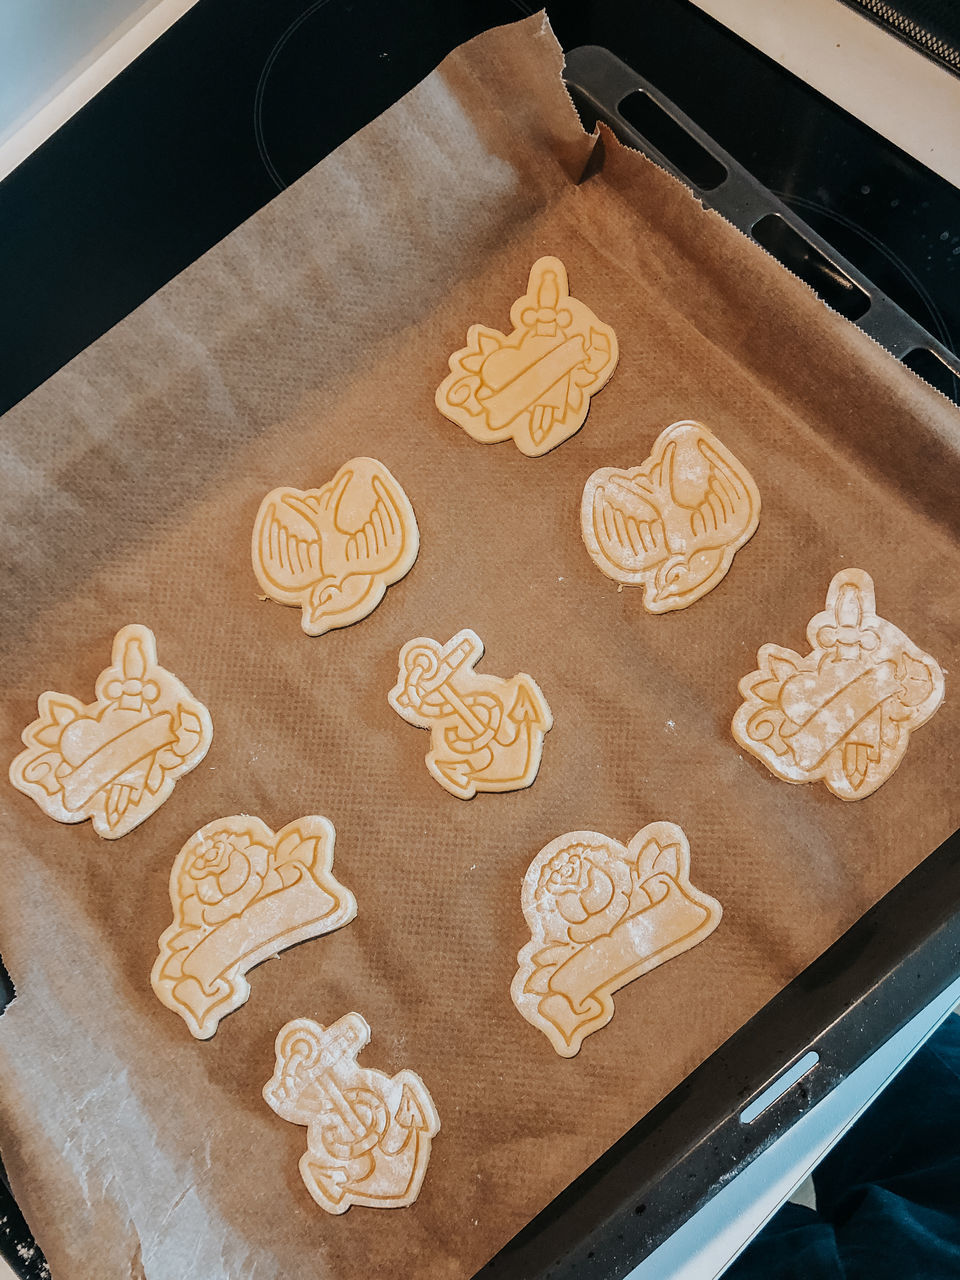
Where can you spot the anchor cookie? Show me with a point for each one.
(673, 524)
(114, 760)
(368, 1134)
(535, 383)
(240, 894)
(843, 713)
(486, 733)
(334, 551)
(601, 915)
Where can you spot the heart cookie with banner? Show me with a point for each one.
(843, 713)
(534, 384)
(114, 760)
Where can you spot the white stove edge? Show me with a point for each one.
(892, 87)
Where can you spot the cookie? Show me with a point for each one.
(843, 713)
(334, 551)
(534, 384)
(601, 915)
(114, 760)
(672, 525)
(368, 1134)
(241, 894)
(486, 733)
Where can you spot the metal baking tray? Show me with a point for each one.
(872, 981)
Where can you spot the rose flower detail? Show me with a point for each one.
(583, 892)
(227, 872)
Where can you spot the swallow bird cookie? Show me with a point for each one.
(534, 384)
(368, 1134)
(672, 525)
(486, 733)
(843, 713)
(601, 914)
(334, 551)
(116, 759)
(240, 894)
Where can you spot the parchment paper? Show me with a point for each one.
(317, 331)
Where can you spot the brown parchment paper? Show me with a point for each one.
(317, 331)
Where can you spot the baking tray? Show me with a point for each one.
(872, 981)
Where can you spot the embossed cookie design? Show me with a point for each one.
(535, 383)
(601, 915)
(114, 760)
(241, 894)
(843, 713)
(368, 1134)
(486, 733)
(673, 524)
(334, 551)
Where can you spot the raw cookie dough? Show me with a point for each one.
(334, 551)
(673, 524)
(601, 915)
(486, 733)
(843, 713)
(241, 894)
(535, 383)
(114, 760)
(368, 1134)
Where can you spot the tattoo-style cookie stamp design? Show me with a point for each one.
(486, 733)
(535, 383)
(601, 915)
(368, 1134)
(240, 894)
(334, 551)
(114, 760)
(843, 713)
(673, 524)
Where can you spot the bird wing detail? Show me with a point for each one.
(290, 561)
(726, 508)
(628, 524)
(378, 543)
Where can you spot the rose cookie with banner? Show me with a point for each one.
(486, 734)
(601, 915)
(535, 383)
(114, 760)
(240, 894)
(673, 524)
(843, 713)
(368, 1134)
(334, 551)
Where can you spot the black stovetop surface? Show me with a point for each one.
(240, 98)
